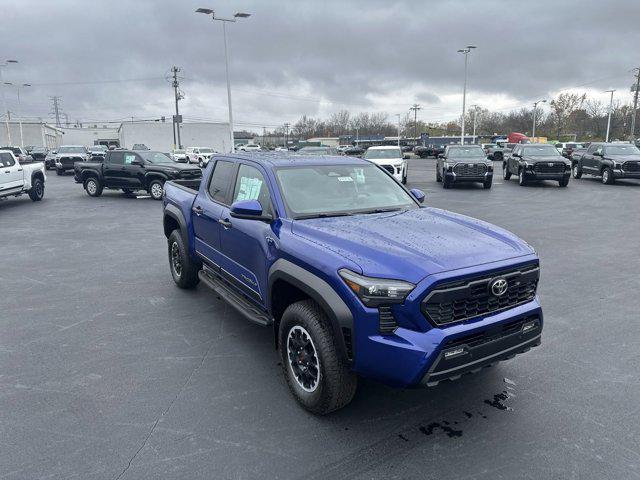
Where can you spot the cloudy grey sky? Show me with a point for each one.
(107, 59)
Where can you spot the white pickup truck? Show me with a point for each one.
(17, 179)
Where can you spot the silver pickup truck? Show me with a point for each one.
(17, 179)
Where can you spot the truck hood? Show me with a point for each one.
(623, 158)
(412, 244)
(544, 159)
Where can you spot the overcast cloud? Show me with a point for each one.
(312, 57)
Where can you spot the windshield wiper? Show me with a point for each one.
(324, 215)
(380, 210)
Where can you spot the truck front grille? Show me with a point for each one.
(631, 166)
(462, 300)
(470, 170)
(548, 167)
(69, 161)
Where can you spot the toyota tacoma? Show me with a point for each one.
(355, 276)
(132, 171)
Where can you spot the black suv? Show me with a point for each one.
(132, 171)
(464, 164)
(536, 161)
(609, 161)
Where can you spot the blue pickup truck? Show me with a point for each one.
(353, 273)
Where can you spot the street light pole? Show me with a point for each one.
(398, 115)
(609, 117)
(19, 107)
(208, 11)
(466, 52)
(535, 109)
(475, 114)
(4, 100)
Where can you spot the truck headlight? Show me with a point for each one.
(374, 292)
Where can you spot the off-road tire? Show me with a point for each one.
(607, 176)
(576, 171)
(487, 184)
(336, 384)
(186, 276)
(37, 190)
(564, 182)
(522, 178)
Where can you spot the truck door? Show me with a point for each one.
(11, 173)
(246, 243)
(208, 210)
(113, 169)
(133, 174)
(589, 160)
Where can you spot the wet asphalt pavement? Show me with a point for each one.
(109, 371)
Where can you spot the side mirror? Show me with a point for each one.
(54, 151)
(137, 162)
(597, 154)
(250, 210)
(405, 157)
(417, 194)
(515, 155)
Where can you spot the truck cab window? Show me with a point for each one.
(221, 181)
(7, 160)
(129, 158)
(250, 185)
(116, 158)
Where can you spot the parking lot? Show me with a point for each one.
(110, 371)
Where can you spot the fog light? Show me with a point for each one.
(456, 352)
(529, 326)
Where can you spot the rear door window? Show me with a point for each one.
(116, 158)
(220, 187)
(6, 160)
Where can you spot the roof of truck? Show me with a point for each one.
(282, 159)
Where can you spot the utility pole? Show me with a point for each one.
(398, 115)
(475, 114)
(635, 106)
(535, 110)
(415, 107)
(55, 109)
(609, 117)
(178, 96)
(465, 51)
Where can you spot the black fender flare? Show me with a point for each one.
(37, 174)
(322, 293)
(151, 176)
(171, 211)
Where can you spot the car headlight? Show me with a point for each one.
(172, 172)
(374, 292)
(617, 165)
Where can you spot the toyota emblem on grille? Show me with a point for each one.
(498, 286)
(550, 164)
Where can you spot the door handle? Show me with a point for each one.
(197, 210)
(226, 224)
(7, 171)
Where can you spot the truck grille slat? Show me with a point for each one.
(631, 166)
(459, 301)
(544, 167)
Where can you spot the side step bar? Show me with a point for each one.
(236, 300)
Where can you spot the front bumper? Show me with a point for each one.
(451, 177)
(531, 175)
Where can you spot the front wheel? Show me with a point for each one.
(156, 189)
(59, 171)
(438, 176)
(522, 179)
(576, 171)
(317, 376)
(607, 176)
(564, 182)
(37, 190)
(487, 184)
(506, 174)
(93, 187)
(183, 269)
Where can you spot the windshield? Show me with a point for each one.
(383, 153)
(319, 150)
(39, 150)
(574, 145)
(621, 150)
(463, 152)
(541, 150)
(155, 157)
(178, 151)
(102, 148)
(206, 150)
(332, 190)
(71, 150)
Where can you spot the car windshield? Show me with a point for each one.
(206, 150)
(155, 157)
(319, 150)
(178, 151)
(71, 150)
(574, 145)
(99, 147)
(39, 150)
(464, 152)
(540, 150)
(334, 190)
(377, 153)
(621, 150)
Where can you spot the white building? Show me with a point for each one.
(91, 135)
(159, 135)
(38, 134)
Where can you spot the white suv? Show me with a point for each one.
(391, 159)
(199, 155)
(250, 147)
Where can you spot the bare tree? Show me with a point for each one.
(563, 106)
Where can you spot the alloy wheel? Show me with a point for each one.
(176, 261)
(303, 358)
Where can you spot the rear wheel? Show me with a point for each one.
(183, 269)
(446, 183)
(93, 187)
(607, 176)
(564, 182)
(37, 190)
(317, 376)
(156, 189)
(576, 170)
(506, 174)
(59, 171)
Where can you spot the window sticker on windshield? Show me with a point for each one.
(359, 175)
(249, 188)
(345, 179)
